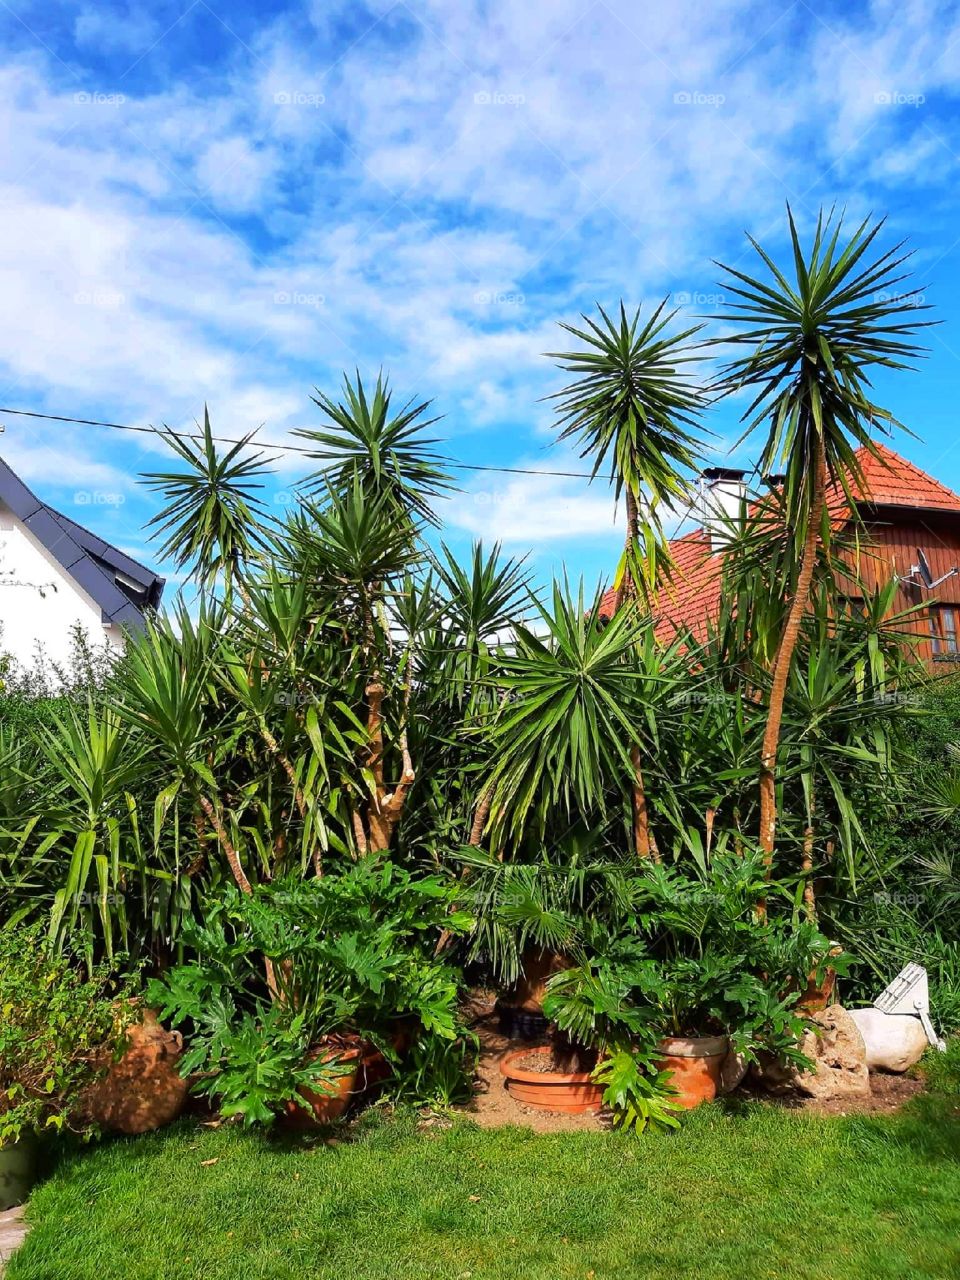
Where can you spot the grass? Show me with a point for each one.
(743, 1192)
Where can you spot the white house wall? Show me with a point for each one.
(27, 616)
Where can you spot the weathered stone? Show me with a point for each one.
(835, 1047)
(144, 1090)
(894, 1041)
(839, 1056)
(732, 1071)
(13, 1232)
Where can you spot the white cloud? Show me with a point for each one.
(235, 175)
(545, 503)
(432, 197)
(131, 30)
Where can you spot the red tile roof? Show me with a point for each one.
(692, 598)
(892, 481)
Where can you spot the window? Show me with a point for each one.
(943, 633)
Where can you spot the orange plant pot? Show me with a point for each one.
(364, 1068)
(694, 1064)
(572, 1092)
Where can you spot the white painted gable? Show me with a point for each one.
(40, 603)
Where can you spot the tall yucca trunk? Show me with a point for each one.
(386, 806)
(233, 858)
(644, 843)
(784, 661)
(809, 893)
(627, 587)
(239, 875)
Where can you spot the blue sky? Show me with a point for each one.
(233, 203)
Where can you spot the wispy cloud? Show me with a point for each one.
(201, 203)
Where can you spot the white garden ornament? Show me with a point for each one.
(897, 1029)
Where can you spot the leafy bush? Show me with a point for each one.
(58, 1032)
(688, 956)
(339, 961)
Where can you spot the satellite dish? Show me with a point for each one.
(924, 568)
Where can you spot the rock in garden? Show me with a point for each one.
(732, 1071)
(144, 1089)
(835, 1047)
(894, 1041)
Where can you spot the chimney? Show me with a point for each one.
(722, 490)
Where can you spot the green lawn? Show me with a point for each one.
(738, 1193)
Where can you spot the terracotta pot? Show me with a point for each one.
(364, 1066)
(144, 1089)
(573, 1092)
(695, 1064)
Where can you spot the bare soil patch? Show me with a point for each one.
(888, 1093)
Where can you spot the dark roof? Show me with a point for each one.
(121, 586)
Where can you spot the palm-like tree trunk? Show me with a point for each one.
(233, 858)
(809, 894)
(627, 586)
(784, 660)
(480, 817)
(643, 839)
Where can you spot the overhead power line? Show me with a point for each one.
(285, 448)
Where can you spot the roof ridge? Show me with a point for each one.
(109, 545)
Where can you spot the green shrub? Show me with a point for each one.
(59, 1029)
(352, 961)
(688, 957)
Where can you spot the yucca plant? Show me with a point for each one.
(384, 449)
(633, 409)
(814, 333)
(212, 523)
(573, 702)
